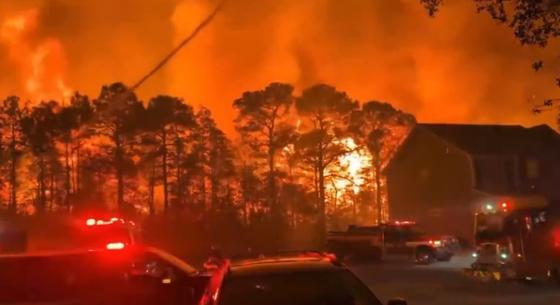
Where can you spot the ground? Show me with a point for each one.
(446, 284)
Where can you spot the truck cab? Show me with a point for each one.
(519, 241)
(397, 238)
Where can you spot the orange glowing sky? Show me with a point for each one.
(458, 67)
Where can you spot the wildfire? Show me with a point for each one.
(353, 166)
(348, 179)
(40, 64)
(351, 173)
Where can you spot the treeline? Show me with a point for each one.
(292, 161)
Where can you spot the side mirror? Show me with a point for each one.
(397, 302)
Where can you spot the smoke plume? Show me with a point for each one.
(457, 67)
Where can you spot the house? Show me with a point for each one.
(443, 173)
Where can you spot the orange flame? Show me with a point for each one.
(354, 163)
(41, 64)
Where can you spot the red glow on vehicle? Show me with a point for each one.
(90, 222)
(115, 246)
(505, 206)
(556, 237)
(330, 256)
(404, 222)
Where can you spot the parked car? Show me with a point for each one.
(309, 278)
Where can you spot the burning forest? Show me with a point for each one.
(297, 157)
(310, 149)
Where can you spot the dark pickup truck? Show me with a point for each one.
(397, 238)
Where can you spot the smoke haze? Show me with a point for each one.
(457, 67)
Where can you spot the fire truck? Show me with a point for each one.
(397, 238)
(518, 240)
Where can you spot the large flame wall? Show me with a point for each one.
(458, 67)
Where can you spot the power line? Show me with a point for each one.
(181, 45)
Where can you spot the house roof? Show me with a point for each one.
(497, 139)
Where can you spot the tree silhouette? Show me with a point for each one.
(214, 152)
(250, 193)
(376, 125)
(73, 124)
(262, 123)
(167, 118)
(71, 152)
(328, 111)
(11, 112)
(534, 22)
(40, 127)
(117, 116)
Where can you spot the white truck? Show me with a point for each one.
(398, 238)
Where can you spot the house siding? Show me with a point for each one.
(443, 173)
(431, 181)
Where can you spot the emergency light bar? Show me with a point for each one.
(115, 246)
(90, 222)
(404, 222)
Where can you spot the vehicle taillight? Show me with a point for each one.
(90, 222)
(115, 246)
(505, 206)
(436, 243)
(556, 238)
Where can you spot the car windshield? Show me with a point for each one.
(301, 288)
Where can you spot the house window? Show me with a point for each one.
(533, 170)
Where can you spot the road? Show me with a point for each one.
(445, 284)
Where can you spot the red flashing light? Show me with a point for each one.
(100, 222)
(556, 237)
(330, 256)
(404, 222)
(115, 246)
(504, 205)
